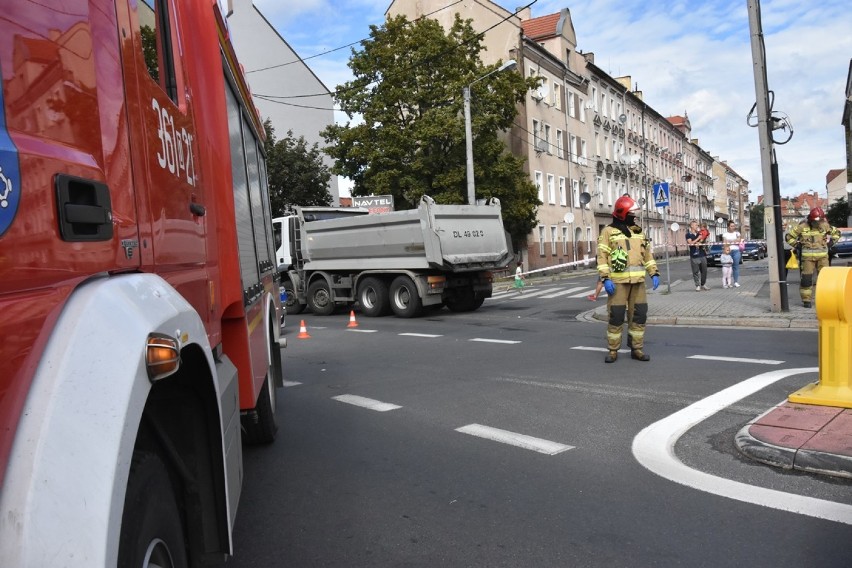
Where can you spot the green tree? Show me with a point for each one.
(297, 174)
(755, 220)
(410, 142)
(838, 213)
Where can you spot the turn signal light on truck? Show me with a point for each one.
(162, 356)
(436, 282)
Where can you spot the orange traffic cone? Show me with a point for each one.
(352, 322)
(303, 331)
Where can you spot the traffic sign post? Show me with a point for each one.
(661, 199)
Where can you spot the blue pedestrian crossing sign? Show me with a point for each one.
(661, 194)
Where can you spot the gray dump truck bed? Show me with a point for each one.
(454, 238)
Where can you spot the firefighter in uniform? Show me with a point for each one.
(624, 257)
(813, 237)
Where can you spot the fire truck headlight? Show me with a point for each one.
(162, 356)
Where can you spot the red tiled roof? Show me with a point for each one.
(833, 174)
(676, 120)
(542, 27)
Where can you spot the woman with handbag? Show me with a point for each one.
(734, 239)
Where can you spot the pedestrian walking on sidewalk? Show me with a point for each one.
(624, 259)
(814, 235)
(727, 262)
(520, 281)
(697, 254)
(734, 239)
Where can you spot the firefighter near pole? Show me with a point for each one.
(624, 259)
(811, 239)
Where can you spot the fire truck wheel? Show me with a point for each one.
(261, 427)
(404, 300)
(319, 298)
(373, 297)
(151, 528)
(293, 305)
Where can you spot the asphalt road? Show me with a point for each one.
(423, 482)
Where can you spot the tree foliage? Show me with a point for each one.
(409, 78)
(755, 221)
(297, 174)
(838, 213)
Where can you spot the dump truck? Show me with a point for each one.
(141, 339)
(404, 262)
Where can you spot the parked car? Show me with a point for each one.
(754, 250)
(843, 247)
(713, 254)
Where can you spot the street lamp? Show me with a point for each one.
(468, 134)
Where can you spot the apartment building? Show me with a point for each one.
(276, 73)
(589, 138)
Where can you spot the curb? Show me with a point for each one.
(698, 321)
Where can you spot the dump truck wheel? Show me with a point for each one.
(319, 298)
(404, 300)
(464, 301)
(373, 297)
(293, 305)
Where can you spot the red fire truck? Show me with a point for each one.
(139, 328)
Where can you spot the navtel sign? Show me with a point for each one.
(374, 203)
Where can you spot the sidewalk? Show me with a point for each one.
(805, 437)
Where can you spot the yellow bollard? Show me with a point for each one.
(834, 312)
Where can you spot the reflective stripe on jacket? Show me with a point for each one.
(814, 240)
(640, 261)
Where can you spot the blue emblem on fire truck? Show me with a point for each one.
(10, 174)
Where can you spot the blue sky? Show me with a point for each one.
(692, 56)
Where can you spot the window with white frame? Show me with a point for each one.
(599, 189)
(609, 199)
(572, 144)
(581, 106)
(557, 96)
(541, 240)
(575, 192)
(597, 145)
(536, 131)
(553, 234)
(547, 137)
(589, 237)
(583, 149)
(571, 111)
(564, 240)
(539, 184)
(603, 104)
(563, 199)
(551, 189)
(595, 98)
(606, 147)
(560, 151)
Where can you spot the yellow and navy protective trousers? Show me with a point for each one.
(626, 260)
(813, 240)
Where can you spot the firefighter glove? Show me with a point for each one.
(655, 280)
(609, 286)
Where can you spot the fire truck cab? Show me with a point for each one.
(138, 289)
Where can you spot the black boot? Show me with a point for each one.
(611, 356)
(639, 355)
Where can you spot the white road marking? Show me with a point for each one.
(531, 294)
(483, 340)
(601, 349)
(356, 330)
(514, 439)
(426, 335)
(366, 402)
(291, 384)
(736, 359)
(568, 291)
(653, 447)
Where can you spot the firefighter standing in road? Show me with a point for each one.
(813, 236)
(624, 257)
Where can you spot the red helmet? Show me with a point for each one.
(816, 214)
(624, 206)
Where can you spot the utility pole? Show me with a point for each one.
(769, 165)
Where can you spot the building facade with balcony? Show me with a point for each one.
(587, 137)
